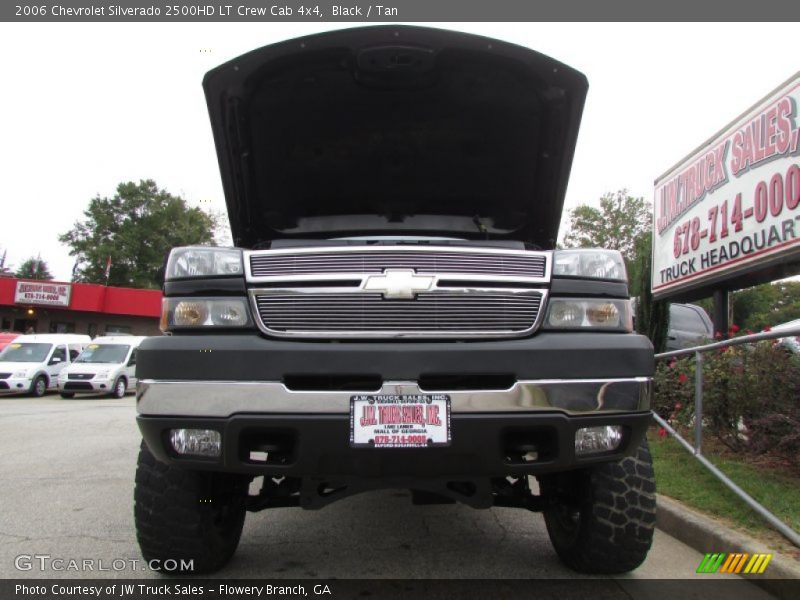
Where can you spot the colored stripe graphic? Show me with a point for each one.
(711, 563)
(735, 563)
(758, 563)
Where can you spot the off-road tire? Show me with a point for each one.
(115, 391)
(67, 395)
(187, 515)
(605, 519)
(39, 386)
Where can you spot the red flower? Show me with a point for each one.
(734, 328)
(767, 328)
(718, 335)
(672, 363)
(678, 406)
(662, 433)
(683, 378)
(748, 331)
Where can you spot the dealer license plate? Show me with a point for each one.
(399, 420)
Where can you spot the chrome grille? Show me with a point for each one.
(362, 262)
(80, 375)
(461, 313)
(415, 291)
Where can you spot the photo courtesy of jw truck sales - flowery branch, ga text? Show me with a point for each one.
(733, 205)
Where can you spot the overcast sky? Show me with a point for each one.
(86, 106)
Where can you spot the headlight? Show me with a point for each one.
(582, 313)
(590, 263)
(189, 313)
(102, 375)
(20, 374)
(204, 312)
(202, 261)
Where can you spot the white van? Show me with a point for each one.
(106, 366)
(31, 363)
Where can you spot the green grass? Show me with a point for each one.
(682, 477)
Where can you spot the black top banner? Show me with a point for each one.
(365, 11)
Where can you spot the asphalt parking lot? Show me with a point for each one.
(67, 474)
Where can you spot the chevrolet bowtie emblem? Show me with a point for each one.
(398, 284)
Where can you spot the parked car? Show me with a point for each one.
(31, 363)
(791, 343)
(106, 366)
(7, 337)
(689, 325)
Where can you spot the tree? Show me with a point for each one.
(4, 270)
(34, 268)
(617, 225)
(624, 223)
(767, 304)
(135, 229)
(652, 316)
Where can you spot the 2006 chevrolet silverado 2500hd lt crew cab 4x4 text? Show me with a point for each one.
(395, 313)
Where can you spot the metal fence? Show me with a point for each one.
(696, 450)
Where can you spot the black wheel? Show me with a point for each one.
(605, 516)
(187, 515)
(120, 387)
(67, 394)
(39, 386)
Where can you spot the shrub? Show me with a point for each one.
(750, 397)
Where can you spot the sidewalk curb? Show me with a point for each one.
(704, 534)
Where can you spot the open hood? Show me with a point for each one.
(386, 131)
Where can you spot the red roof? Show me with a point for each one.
(91, 297)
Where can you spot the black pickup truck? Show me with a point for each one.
(395, 313)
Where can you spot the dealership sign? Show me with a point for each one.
(733, 206)
(44, 293)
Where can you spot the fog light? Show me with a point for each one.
(592, 440)
(198, 442)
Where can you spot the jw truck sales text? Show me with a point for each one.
(178, 590)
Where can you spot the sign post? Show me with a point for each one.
(721, 311)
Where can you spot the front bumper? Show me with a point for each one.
(307, 433)
(251, 390)
(93, 386)
(15, 385)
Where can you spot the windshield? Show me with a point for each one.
(104, 353)
(32, 353)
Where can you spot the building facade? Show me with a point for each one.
(28, 306)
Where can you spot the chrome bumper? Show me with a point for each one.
(226, 398)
